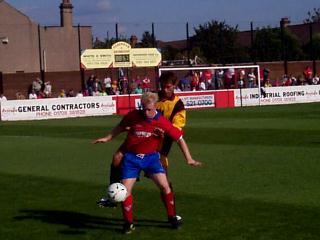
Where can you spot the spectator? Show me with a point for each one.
(89, 84)
(107, 83)
(41, 95)
(146, 84)
(251, 79)
(70, 93)
(79, 94)
(95, 92)
(47, 89)
(62, 94)
(114, 86)
(103, 92)
(286, 81)
(32, 95)
(229, 78)
(208, 75)
(202, 85)
(308, 74)
(294, 81)
(195, 81)
(241, 79)
(97, 85)
(36, 85)
(266, 72)
(138, 90)
(85, 92)
(185, 83)
(315, 80)
(20, 96)
(219, 79)
(138, 81)
(267, 83)
(177, 89)
(124, 83)
(300, 80)
(2, 97)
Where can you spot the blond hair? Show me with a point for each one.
(149, 97)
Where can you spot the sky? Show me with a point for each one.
(168, 16)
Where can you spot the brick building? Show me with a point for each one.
(30, 48)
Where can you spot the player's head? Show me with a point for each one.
(148, 102)
(168, 81)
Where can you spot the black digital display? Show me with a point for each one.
(122, 58)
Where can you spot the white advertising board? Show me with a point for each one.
(192, 100)
(198, 101)
(277, 95)
(52, 108)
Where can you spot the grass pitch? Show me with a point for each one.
(259, 180)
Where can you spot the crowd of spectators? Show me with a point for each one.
(213, 79)
(37, 90)
(108, 86)
(196, 80)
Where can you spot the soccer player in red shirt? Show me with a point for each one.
(141, 153)
(172, 108)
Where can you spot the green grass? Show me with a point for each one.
(259, 180)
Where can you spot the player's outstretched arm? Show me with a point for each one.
(186, 152)
(114, 132)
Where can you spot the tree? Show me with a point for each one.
(217, 41)
(268, 45)
(315, 46)
(108, 42)
(148, 40)
(313, 16)
(169, 53)
(294, 49)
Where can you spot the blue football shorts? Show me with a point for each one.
(132, 164)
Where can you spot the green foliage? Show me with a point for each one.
(293, 47)
(108, 42)
(268, 45)
(315, 47)
(217, 41)
(148, 40)
(169, 53)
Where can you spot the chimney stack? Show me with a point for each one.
(66, 13)
(285, 21)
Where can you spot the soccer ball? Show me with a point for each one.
(117, 192)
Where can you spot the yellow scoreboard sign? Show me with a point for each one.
(145, 57)
(96, 58)
(120, 55)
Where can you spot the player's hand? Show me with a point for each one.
(194, 163)
(101, 140)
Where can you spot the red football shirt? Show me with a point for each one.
(140, 138)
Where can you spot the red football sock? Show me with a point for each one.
(127, 209)
(169, 203)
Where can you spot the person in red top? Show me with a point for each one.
(308, 74)
(146, 82)
(143, 138)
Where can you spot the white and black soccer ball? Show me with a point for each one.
(117, 192)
